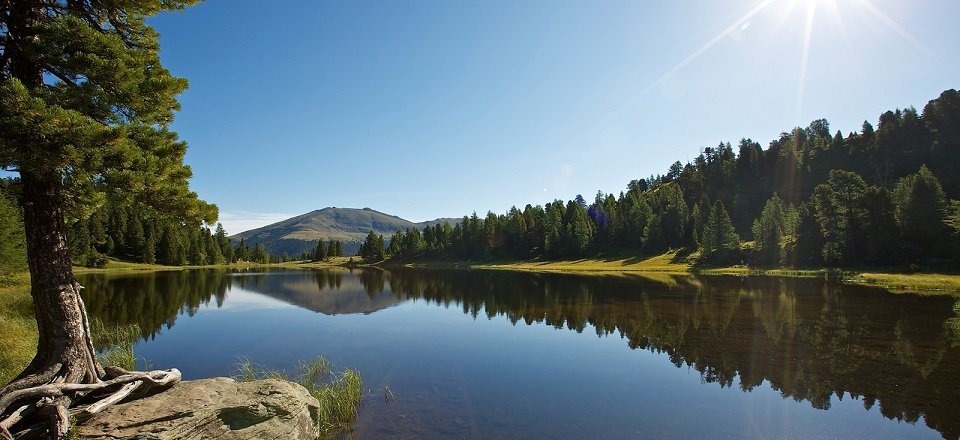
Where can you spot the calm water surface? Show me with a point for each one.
(482, 354)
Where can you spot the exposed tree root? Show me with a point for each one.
(44, 410)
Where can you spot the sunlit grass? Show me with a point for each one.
(18, 329)
(339, 394)
(931, 283)
(114, 265)
(119, 266)
(674, 262)
(668, 262)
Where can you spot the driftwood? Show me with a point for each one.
(56, 402)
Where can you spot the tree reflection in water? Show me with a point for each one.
(809, 339)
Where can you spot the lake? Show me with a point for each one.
(487, 354)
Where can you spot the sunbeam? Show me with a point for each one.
(895, 27)
(805, 57)
(737, 25)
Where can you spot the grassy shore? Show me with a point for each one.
(675, 263)
(118, 266)
(669, 262)
(657, 267)
(18, 329)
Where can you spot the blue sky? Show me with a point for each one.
(438, 109)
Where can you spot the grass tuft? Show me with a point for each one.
(114, 343)
(953, 326)
(339, 394)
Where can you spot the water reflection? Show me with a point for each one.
(808, 339)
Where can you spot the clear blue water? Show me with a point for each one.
(480, 354)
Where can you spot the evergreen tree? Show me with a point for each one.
(578, 229)
(953, 223)
(372, 249)
(214, 256)
(85, 108)
(396, 243)
(768, 232)
(78, 239)
(226, 245)
(134, 239)
(98, 233)
(838, 207)
(921, 214)
(149, 252)
(379, 251)
(259, 254)
(320, 252)
(168, 247)
(243, 252)
(877, 244)
(696, 222)
(196, 253)
(720, 241)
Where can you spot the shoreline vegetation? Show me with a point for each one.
(674, 262)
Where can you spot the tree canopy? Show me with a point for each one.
(85, 110)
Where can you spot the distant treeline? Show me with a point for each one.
(879, 197)
(133, 235)
(137, 235)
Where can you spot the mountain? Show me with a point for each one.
(349, 225)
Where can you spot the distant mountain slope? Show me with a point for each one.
(349, 225)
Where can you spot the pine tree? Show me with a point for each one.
(149, 254)
(243, 251)
(838, 208)
(320, 252)
(260, 254)
(921, 214)
(134, 239)
(720, 240)
(578, 228)
(226, 245)
(85, 107)
(214, 256)
(379, 248)
(396, 243)
(768, 231)
(196, 252)
(167, 247)
(696, 224)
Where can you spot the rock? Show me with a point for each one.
(218, 408)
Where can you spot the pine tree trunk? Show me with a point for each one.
(64, 348)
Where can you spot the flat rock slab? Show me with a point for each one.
(218, 408)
